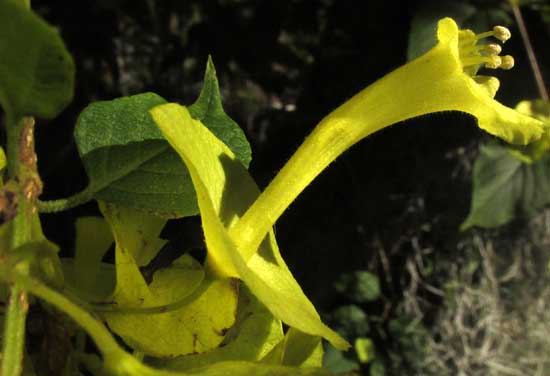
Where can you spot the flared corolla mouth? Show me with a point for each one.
(460, 54)
(472, 54)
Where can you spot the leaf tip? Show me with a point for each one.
(464, 226)
(210, 65)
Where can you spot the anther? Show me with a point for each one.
(507, 62)
(492, 49)
(494, 62)
(502, 33)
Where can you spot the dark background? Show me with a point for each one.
(399, 195)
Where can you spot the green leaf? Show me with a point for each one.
(255, 333)
(297, 349)
(336, 361)
(365, 350)
(377, 368)
(136, 230)
(504, 186)
(225, 190)
(128, 160)
(422, 36)
(36, 71)
(359, 286)
(209, 110)
(351, 321)
(85, 272)
(539, 109)
(93, 239)
(197, 326)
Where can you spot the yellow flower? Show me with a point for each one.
(238, 220)
(443, 79)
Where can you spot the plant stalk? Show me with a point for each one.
(54, 206)
(16, 313)
(14, 332)
(530, 51)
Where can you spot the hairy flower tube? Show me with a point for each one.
(238, 220)
(443, 79)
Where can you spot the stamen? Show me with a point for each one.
(491, 49)
(507, 62)
(484, 35)
(494, 63)
(502, 33)
(473, 55)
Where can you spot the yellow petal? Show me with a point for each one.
(224, 191)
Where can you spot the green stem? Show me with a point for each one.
(16, 314)
(13, 134)
(537, 73)
(14, 332)
(96, 330)
(70, 202)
